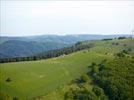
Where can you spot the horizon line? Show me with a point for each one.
(58, 35)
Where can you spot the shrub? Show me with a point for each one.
(95, 70)
(124, 45)
(15, 98)
(84, 78)
(129, 49)
(125, 51)
(120, 54)
(93, 64)
(8, 80)
(97, 90)
(116, 43)
(69, 95)
(81, 94)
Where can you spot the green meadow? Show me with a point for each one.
(49, 78)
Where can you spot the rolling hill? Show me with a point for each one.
(49, 79)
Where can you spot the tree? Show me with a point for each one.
(123, 37)
(78, 43)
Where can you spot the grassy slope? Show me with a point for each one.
(34, 78)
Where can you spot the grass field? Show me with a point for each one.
(50, 77)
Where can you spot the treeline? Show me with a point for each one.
(50, 54)
(123, 37)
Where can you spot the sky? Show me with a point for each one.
(25, 18)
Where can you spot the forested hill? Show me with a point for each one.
(57, 52)
(17, 48)
(61, 38)
(51, 53)
(11, 47)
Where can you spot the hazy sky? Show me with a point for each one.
(20, 18)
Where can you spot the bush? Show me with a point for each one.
(129, 49)
(116, 43)
(95, 70)
(15, 98)
(69, 95)
(101, 67)
(84, 78)
(97, 90)
(81, 94)
(124, 45)
(125, 51)
(93, 64)
(120, 54)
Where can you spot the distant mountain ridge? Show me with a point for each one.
(18, 48)
(11, 47)
(61, 38)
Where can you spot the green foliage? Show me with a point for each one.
(81, 94)
(69, 95)
(125, 51)
(95, 70)
(93, 64)
(15, 98)
(97, 90)
(84, 78)
(78, 43)
(123, 37)
(120, 54)
(107, 39)
(117, 79)
(129, 49)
